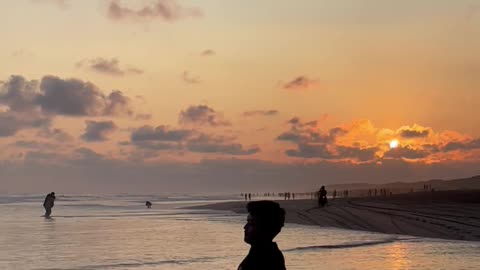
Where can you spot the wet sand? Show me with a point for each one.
(440, 214)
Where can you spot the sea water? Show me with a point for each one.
(119, 232)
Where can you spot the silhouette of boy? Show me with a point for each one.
(264, 222)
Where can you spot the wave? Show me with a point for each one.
(138, 264)
(345, 245)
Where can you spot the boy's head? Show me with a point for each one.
(265, 220)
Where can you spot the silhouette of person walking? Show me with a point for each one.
(265, 220)
(148, 204)
(322, 197)
(48, 203)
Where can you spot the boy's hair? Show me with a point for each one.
(270, 217)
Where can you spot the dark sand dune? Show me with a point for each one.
(439, 214)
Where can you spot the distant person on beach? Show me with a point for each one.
(322, 197)
(249, 196)
(148, 204)
(246, 196)
(48, 204)
(265, 221)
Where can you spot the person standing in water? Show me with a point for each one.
(265, 220)
(48, 204)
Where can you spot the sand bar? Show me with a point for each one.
(439, 214)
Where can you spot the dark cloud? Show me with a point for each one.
(414, 133)
(11, 123)
(296, 122)
(165, 138)
(407, 152)
(188, 79)
(261, 113)
(465, 145)
(357, 153)
(337, 131)
(291, 136)
(55, 96)
(117, 104)
(160, 133)
(74, 97)
(108, 66)
(202, 115)
(307, 132)
(307, 150)
(18, 94)
(158, 145)
(208, 52)
(333, 152)
(300, 82)
(98, 131)
(166, 10)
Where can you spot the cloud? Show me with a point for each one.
(191, 80)
(18, 94)
(207, 52)
(415, 131)
(333, 152)
(167, 138)
(157, 145)
(108, 67)
(56, 96)
(98, 131)
(461, 145)
(261, 113)
(166, 10)
(308, 132)
(209, 144)
(74, 97)
(160, 133)
(202, 115)
(357, 153)
(11, 123)
(407, 152)
(307, 150)
(299, 83)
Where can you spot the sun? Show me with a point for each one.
(394, 144)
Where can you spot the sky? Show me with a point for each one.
(148, 96)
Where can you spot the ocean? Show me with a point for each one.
(118, 232)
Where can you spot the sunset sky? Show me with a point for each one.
(152, 96)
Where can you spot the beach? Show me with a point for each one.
(118, 232)
(453, 215)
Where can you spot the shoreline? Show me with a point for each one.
(453, 215)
